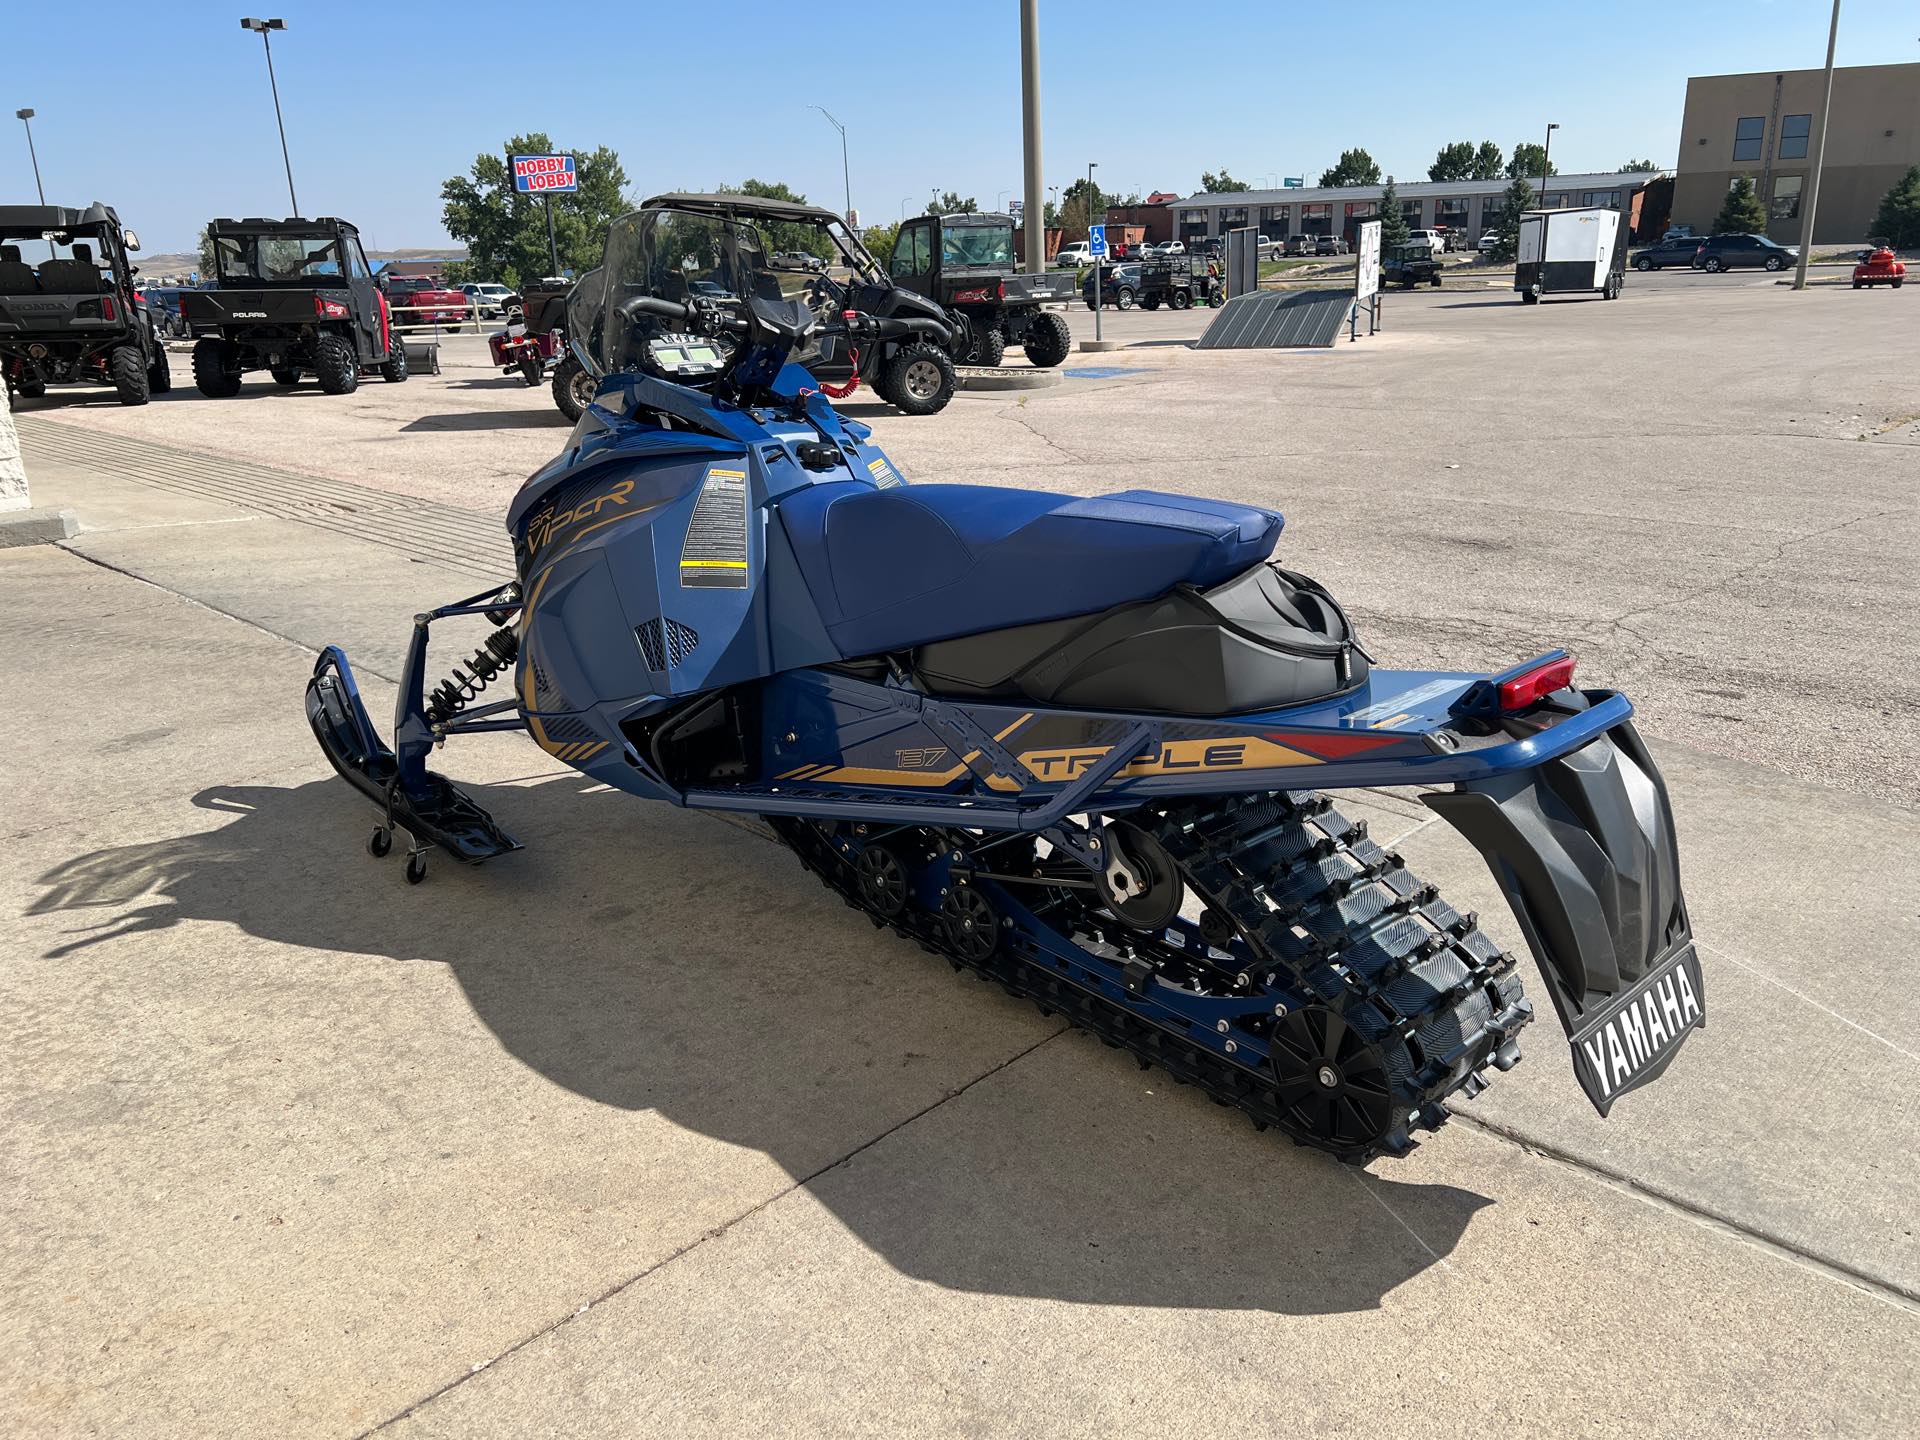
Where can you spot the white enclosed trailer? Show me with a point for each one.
(1571, 252)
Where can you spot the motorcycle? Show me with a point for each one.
(1080, 747)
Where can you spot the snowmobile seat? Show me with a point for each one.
(895, 568)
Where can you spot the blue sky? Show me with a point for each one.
(162, 109)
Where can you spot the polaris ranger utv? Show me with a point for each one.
(294, 297)
(966, 264)
(69, 315)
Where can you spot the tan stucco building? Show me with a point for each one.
(1766, 126)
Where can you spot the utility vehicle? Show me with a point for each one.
(291, 297)
(69, 312)
(1076, 745)
(966, 264)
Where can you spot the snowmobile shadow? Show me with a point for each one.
(547, 417)
(648, 958)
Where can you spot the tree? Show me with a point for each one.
(951, 204)
(1898, 219)
(1221, 184)
(1356, 167)
(1528, 160)
(879, 239)
(1518, 200)
(806, 239)
(1743, 214)
(1638, 165)
(506, 233)
(205, 245)
(1489, 162)
(1453, 162)
(1081, 205)
(1393, 224)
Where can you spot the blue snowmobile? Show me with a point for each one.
(1077, 746)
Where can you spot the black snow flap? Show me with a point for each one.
(1583, 847)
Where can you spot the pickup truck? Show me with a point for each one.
(423, 300)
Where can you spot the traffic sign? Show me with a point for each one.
(545, 175)
(1097, 240)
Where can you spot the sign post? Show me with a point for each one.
(546, 176)
(1097, 244)
(1366, 280)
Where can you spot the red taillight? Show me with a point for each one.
(328, 309)
(107, 312)
(1532, 686)
(1000, 291)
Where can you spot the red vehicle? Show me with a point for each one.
(423, 300)
(1879, 267)
(514, 348)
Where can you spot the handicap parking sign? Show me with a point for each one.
(1097, 239)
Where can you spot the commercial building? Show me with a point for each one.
(1470, 206)
(1765, 127)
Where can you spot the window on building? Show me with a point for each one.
(1316, 219)
(1609, 199)
(1786, 198)
(1492, 207)
(1451, 212)
(1794, 130)
(1273, 221)
(1748, 133)
(1410, 212)
(1233, 217)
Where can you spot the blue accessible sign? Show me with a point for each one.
(1097, 239)
(545, 175)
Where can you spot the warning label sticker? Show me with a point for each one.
(884, 475)
(714, 556)
(1399, 710)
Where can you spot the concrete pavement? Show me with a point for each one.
(638, 1132)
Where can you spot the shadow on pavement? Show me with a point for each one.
(648, 962)
(548, 417)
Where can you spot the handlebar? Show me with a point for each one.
(882, 327)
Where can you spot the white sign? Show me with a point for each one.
(1097, 240)
(1016, 208)
(1367, 269)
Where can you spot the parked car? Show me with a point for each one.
(1077, 254)
(1169, 247)
(1300, 245)
(1119, 286)
(797, 260)
(1677, 251)
(1434, 240)
(1487, 241)
(1879, 267)
(1330, 245)
(163, 307)
(423, 300)
(1736, 252)
(1679, 232)
(492, 299)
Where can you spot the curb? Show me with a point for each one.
(985, 378)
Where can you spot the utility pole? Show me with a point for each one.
(845, 181)
(1819, 154)
(1036, 214)
(1546, 164)
(262, 27)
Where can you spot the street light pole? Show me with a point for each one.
(1035, 219)
(846, 182)
(1546, 164)
(262, 27)
(905, 200)
(25, 117)
(1099, 300)
(1819, 154)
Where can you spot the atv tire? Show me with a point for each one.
(160, 373)
(573, 388)
(335, 365)
(1048, 340)
(211, 377)
(127, 368)
(989, 344)
(918, 379)
(394, 368)
(288, 375)
(29, 387)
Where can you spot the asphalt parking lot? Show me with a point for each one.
(636, 1132)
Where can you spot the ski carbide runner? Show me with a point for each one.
(1332, 937)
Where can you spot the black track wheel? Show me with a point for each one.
(394, 368)
(918, 379)
(335, 365)
(1048, 341)
(214, 375)
(989, 343)
(883, 881)
(288, 375)
(1335, 1084)
(971, 924)
(127, 367)
(573, 388)
(159, 373)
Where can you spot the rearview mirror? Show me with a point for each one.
(132, 239)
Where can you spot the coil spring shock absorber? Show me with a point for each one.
(458, 690)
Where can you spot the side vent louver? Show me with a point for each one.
(665, 642)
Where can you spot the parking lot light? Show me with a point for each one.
(25, 117)
(263, 28)
(1819, 156)
(1546, 163)
(846, 181)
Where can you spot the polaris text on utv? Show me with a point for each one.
(293, 297)
(71, 316)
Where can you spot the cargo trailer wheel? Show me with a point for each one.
(1048, 340)
(918, 380)
(288, 375)
(128, 369)
(335, 366)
